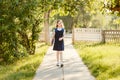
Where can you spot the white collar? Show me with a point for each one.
(59, 29)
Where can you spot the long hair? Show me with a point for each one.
(61, 23)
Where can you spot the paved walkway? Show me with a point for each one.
(74, 68)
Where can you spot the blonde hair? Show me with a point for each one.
(60, 22)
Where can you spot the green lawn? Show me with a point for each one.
(103, 60)
(23, 69)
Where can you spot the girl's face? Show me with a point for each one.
(59, 24)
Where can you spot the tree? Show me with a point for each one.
(112, 5)
(62, 7)
(19, 28)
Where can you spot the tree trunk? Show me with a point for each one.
(33, 36)
(46, 27)
(25, 41)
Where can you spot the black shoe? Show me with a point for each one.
(57, 64)
(61, 65)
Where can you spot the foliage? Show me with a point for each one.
(102, 59)
(20, 21)
(24, 69)
(93, 13)
(113, 5)
(19, 28)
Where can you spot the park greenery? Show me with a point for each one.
(21, 22)
(25, 68)
(102, 59)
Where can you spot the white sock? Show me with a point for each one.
(61, 63)
(58, 63)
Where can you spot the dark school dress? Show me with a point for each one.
(58, 45)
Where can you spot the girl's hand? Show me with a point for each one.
(52, 42)
(60, 39)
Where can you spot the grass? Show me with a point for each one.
(25, 68)
(103, 60)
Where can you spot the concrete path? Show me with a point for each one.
(74, 68)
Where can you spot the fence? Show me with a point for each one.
(93, 34)
(112, 35)
(87, 34)
(42, 36)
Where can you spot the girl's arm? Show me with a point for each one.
(53, 37)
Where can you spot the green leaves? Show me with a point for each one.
(17, 19)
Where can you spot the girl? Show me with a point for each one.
(58, 38)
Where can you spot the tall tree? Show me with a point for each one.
(19, 27)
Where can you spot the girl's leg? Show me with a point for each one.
(61, 59)
(61, 56)
(57, 56)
